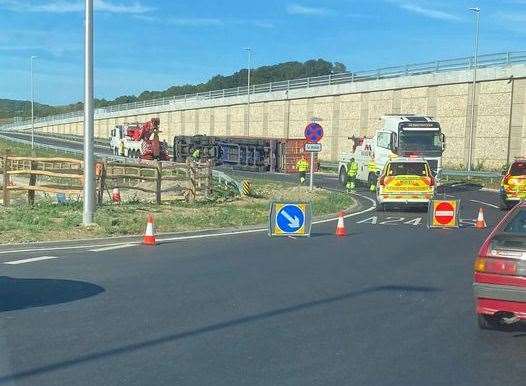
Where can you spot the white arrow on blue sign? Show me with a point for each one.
(290, 219)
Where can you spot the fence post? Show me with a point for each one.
(190, 198)
(102, 182)
(209, 181)
(158, 185)
(32, 182)
(6, 180)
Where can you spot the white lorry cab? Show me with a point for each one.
(402, 135)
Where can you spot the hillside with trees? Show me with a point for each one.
(282, 71)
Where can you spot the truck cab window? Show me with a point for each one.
(383, 140)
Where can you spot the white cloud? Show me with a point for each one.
(205, 22)
(298, 9)
(50, 41)
(63, 6)
(196, 22)
(512, 17)
(263, 24)
(106, 6)
(512, 21)
(426, 11)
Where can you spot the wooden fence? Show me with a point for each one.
(188, 180)
(65, 175)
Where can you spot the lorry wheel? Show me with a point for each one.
(486, 322)
(343, 177)
(384, 207)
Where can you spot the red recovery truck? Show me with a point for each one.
(133, 140)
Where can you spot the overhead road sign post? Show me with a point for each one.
(290, 219)
(443, 213)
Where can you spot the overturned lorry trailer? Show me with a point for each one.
(244, 153)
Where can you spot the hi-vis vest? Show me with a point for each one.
(371, 167)
(302, 165)
(352, 169)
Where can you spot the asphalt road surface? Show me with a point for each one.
(55, 141)
(390, 304)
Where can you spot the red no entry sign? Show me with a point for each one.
(444, 213)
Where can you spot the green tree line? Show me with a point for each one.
(264, 74)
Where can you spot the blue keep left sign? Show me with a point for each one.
(290, 218)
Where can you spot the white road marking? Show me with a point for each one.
(86, 246)
(23, 261)
(111, 248)
(467, 223)
(485, 203)
(391, 221)
(370, 220)
(415, 221)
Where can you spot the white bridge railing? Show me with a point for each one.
(488, 60)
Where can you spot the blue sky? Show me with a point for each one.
(153, 44)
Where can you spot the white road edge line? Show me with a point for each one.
(485, 203)
(113, 247)
(64, 248)
(372, 207)
(23, 261)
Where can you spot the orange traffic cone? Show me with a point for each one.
(149, 235)
(340, 228)
(480, 224)
(116, 195)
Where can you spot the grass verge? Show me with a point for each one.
(48, 221)
(21, 149)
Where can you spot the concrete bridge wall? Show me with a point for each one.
(355, 109)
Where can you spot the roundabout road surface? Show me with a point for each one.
(389, 304)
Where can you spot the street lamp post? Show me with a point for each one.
(32, 106)
(249, 51)
(476, 11)
(89, 160)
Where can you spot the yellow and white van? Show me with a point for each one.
(405, 181)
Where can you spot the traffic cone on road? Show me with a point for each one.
(340, 228)
(116, 195)
(149, 235)
(480, 224)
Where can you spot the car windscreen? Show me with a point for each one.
(517, 224)
(508, 242)
(518, 169)
(407, 168)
